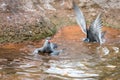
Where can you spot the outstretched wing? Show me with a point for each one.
(80, 17)
(95, 28)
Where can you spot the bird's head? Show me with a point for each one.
(48, 39)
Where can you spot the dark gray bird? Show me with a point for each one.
(48, 47)
(94, 32)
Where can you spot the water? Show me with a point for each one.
(79, 60)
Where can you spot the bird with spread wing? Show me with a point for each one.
(94, 32)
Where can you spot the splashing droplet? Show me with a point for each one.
(105, 50)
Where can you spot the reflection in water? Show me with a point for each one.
(79, 61)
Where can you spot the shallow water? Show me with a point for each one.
(79, 60)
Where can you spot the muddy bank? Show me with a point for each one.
(33, 20)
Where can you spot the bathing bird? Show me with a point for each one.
(48, 47)
(93, 32)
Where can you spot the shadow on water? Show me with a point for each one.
(79, 61)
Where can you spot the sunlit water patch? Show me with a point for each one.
(71, 69)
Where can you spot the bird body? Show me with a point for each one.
(48, 47)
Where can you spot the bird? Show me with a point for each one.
(48, 47)
(94, 32)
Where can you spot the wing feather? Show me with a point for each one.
(95, 28)
(80, 18)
